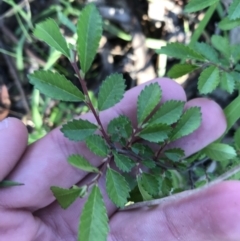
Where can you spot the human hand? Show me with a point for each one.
(30, 212)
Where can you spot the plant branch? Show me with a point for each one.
(88, 101)
(137, 157)
(160, 149)
(101, 171)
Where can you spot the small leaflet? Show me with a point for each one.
(93, 224)
(227, 82)
(66, 197)
(81, 163)
(179, 70)
(188, 123)
(155, 133)
(145, 195)
(78, 130)
(89, 32)
(207, 51)
(49, 32)
(97, 145)
(111, 91)
(180, 51)
(142, 150)
(209, 80)
(124, 163)
(174, 154)
(196, 5)
(222, 45)
(149, 163)
(120, 127)
(117, 187)
(237, 139)
(234, 10)
(228, 24)
(168, 113)
(235, 53)
(55, 85)
(148, 99)
(220, 152)
(149, 183)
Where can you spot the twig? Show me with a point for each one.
(88, 102)
(170, 199)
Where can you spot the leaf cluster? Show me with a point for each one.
(217, 62)
(137, 162)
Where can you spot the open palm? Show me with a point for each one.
(30, 212)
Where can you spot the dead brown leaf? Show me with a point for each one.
(5, 102)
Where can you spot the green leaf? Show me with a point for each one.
(124, 163)
(234, 10)
(155, 133)
(78, 130)
(232, 112)
(235, 55)
(150, 183)
(89, 32)
(168, 113)
(8, 183)
(131, 180)
(227, 82)
(142, 150)
(179, 70)
(149, 163)
(148, 99)
(196, 5)
(207, 51)
(188, 123)
(94, 220)
(209, 80)
(117, 188)
(145, 195)
(236, 76)
(237, 139)
(120, 127)
(111, 91)
(66, 197)
(180, 51)
(81, 163)
(167, 185)
(174, 154)
(227, 24)
(55, 86)
(97, 145)
(220, 152)
(49, 32)
(221, 44)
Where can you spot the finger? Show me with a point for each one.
(13, 141)
(213, 214)
(212, 126)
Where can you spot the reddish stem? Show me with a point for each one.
(88, 101)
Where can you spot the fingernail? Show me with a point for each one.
(4, 124)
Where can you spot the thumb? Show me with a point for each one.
(213, 214)
(13, 142)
